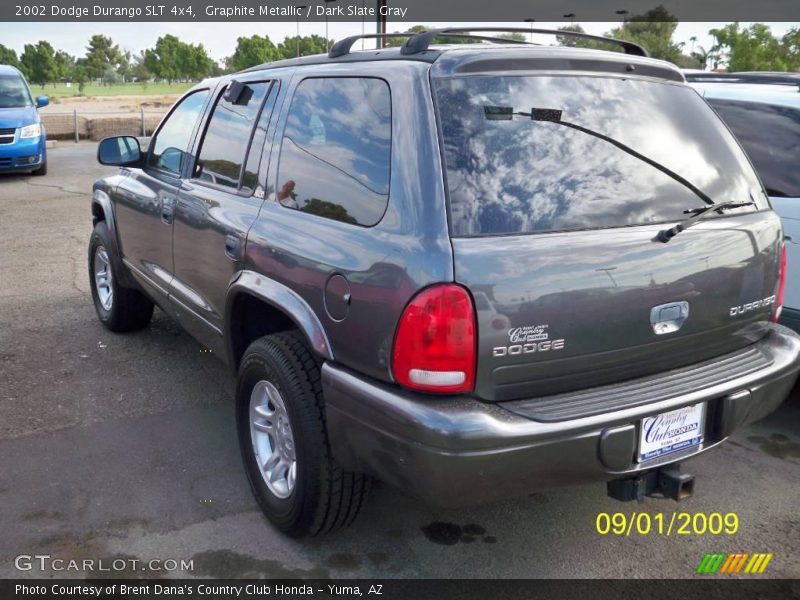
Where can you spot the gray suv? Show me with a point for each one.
(469, 271)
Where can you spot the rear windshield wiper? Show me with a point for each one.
(698, 214)
(550, 115)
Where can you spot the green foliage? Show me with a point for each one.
(652, 30)
(38, 63)
(101, 53)
(754, 48)
(791, 49)
(174, 60)
(309, 45)
(252, 51)
(8, 56)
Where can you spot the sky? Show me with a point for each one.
(219, 39)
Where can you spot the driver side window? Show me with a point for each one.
(169, 148)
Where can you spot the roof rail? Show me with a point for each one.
(343, 46)
(749, 77)
(421, 41)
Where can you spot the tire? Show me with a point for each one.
(124, 309)
(41, 170)
(323, 497)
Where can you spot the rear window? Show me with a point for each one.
(336, 150)
(536, 175)
(770, 136)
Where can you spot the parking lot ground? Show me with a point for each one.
(124, 447)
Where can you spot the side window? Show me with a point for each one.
(224, 146)
(770, 135)
(172, 140)
(336, 150)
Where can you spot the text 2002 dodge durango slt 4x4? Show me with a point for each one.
(470, 271)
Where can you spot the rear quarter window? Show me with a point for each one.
(529, 176)
(771, 137)
(336, 150)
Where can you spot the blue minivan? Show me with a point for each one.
(22, 135)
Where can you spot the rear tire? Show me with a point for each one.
(119, 308)
(279, 391)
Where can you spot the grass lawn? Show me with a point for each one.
(122, 89)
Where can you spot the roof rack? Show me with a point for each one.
(343, 46)
(764, 77)
(420, 42)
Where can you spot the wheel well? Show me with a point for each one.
(97, 213)
(252, 318)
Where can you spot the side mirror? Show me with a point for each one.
(42, 101)
(119, 151)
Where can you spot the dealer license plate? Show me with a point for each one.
(671, 431)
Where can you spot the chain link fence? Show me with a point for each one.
(95, 125)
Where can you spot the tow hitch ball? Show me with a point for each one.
(668, 482)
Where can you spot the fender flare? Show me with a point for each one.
(283, 299)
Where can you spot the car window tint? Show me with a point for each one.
(172, 140)
(520, 175)
(771, 137)
(336, 149)
(14, 92)
(224, 146)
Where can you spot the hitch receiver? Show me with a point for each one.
(667, 482)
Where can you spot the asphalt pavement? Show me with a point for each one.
(124, 447)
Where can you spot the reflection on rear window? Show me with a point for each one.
(521, 175)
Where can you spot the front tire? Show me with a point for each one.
(284, 443)
(41, 170)
(119, 308)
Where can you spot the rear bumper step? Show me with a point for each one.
(458, 451)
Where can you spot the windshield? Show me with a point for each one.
(14, 92)
(523, 175)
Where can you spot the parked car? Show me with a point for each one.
(763, 111)
(22, 134)
(327, 226)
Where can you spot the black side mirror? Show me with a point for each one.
(119, 151)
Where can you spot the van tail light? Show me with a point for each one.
(781, 286)
(434, 347)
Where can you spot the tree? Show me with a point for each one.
(751, 49)
(138, 69)
(100, 53)
(194, 62)
(309, 45)
(653, 30)
(163, 60)
(252, 51)
(577, 42)
(63, 65)
(514, 36)
(38, 63)
(791, 49)
(8, 56)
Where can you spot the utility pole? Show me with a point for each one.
(381, 21)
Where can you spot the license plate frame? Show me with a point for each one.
(671, 431)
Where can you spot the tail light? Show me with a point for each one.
(434, 348)
(781, 286)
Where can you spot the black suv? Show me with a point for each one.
(471, 271)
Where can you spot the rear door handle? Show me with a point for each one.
(233, 247)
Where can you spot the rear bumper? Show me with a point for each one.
(459, 451)
(23, 155)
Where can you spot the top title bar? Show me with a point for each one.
(416, 11)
